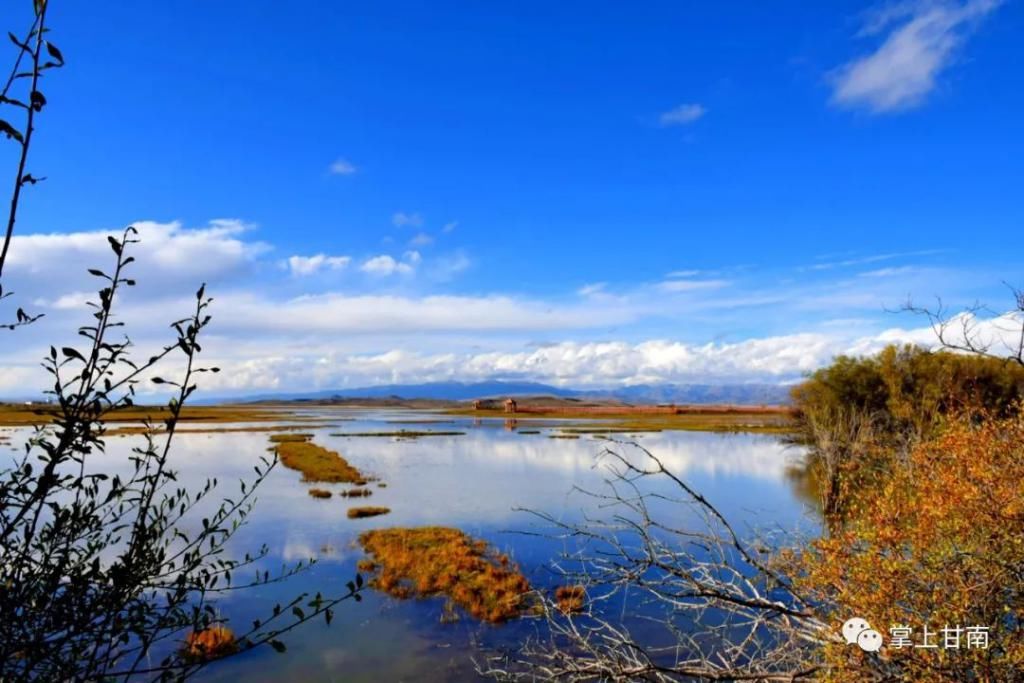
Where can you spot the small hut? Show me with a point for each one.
(477, 405)
(510, 405)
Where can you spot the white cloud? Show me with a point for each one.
(888, 272)
(873, 258)
(171, 254)
(450, 227)
(410, 220)
(592, 289)
(922, 41)
(308, 265)
(691, 285)
(384, 265)
(445, 268)
(682, 115)
(333, 313)
(421, 239)
(67, 302)
(343, 167)
(782, 359)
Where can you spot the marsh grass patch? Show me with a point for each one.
(432, 561)
(317, 464)
(398, 434)
(367, 511)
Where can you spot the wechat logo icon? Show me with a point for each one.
(859, 631)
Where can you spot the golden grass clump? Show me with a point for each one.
(43, 413)
(210, 643)
(432, 561)
(570, 599)
(367, 511)
(320, 493)
(399, 434)
(290, 438)
(317, 463)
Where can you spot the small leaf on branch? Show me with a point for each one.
(14, 39)
(11, 132)
(10, 100)
(55, 52)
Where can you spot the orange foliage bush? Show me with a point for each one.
(940, 543)
(570, 599)
(210, 643)
(428, 561)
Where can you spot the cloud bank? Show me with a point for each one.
(321, 321)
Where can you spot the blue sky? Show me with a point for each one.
(587, 193)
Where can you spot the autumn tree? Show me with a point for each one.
(939, 545)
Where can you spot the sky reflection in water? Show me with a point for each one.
(477, 482)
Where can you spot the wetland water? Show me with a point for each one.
(475, 482)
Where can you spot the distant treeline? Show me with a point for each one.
(909, 389)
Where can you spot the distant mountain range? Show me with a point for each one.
(736, 394)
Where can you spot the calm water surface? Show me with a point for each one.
(475, 482)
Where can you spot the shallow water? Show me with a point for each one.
(478, 482)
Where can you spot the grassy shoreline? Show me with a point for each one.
(579, 420)
(726, 419)
(27, 415)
